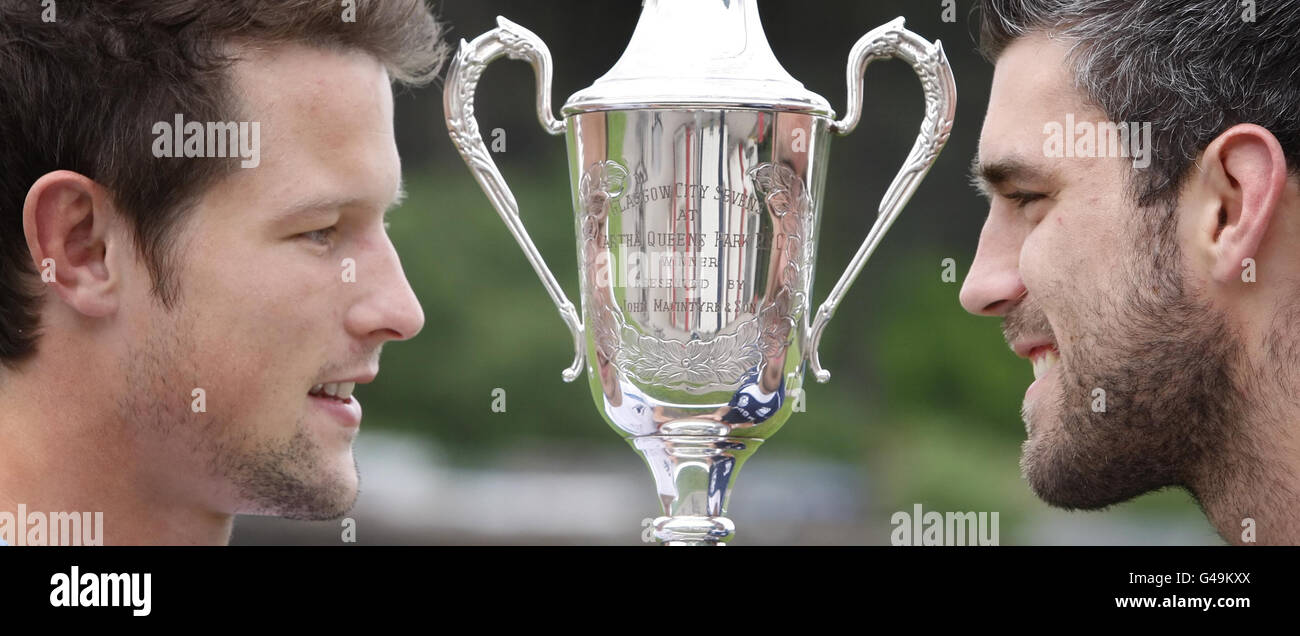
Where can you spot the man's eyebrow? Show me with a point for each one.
(987, 176)
(324, 203)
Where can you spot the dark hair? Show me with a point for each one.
(1192, 68)
(82, 93)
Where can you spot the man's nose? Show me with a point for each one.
(387, 309)
(993, 285)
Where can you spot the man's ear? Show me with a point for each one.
(1245, 174)
(66, 219)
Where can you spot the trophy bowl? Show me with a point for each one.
(697, 168)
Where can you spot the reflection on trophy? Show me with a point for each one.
(697, 167)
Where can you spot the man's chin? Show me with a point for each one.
(328, 499)
(1037, 467)
(1047, 480)
(1067, 474)
(319, 502)
(1050, 460)
(299, 481)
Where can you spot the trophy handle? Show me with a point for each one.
(931, 66)
(518, 43)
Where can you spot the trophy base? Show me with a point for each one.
(689, 530)
(694, 474)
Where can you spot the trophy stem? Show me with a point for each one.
(694, 474)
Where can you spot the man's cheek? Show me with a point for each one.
(258, 313)
(253, 405)
(1057, 255)
(241, 346)
(1040, 264)
(271, 293)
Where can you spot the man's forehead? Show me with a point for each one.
(301, 87)
(1033, 85)
(326, 132)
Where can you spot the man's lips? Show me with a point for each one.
(1024, 346)
(335, 396)
(347, 412)
(341, 388)
(1041, 352)
(1043, 359)
(338, 390)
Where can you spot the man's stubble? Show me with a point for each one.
(280, 477)
(1166, 365)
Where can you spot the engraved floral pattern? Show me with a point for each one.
(603, 182)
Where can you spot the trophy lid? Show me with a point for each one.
(698, 54)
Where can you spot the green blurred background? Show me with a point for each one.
(924, 403)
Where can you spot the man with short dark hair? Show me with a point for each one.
(195, 271)
(1141, 159)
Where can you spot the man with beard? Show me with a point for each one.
(1155, 296)
(179, 334)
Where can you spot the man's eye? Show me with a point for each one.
(321, 236)
(1025, 198)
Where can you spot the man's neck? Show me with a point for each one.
(1251, 492)
(65, 451)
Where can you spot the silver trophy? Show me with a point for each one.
(697, 167)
